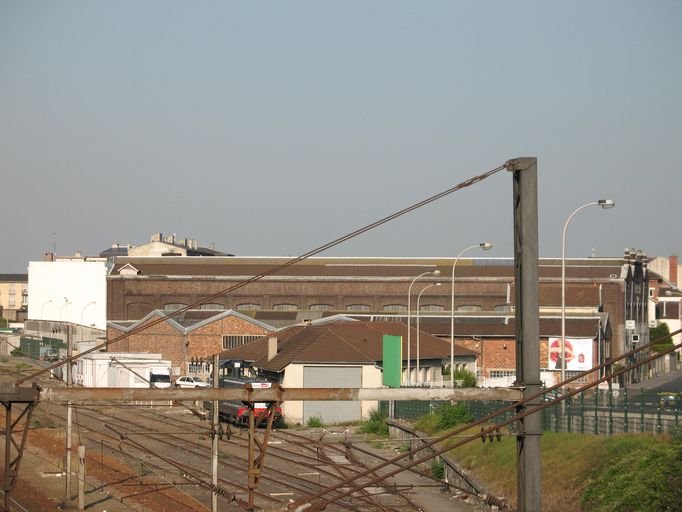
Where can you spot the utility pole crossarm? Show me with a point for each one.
(276, 393)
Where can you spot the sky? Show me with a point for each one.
(271, 128)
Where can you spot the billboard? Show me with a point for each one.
(578, 354)
(392, 360)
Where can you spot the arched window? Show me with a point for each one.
(285, 306)
(212, 306)
(247, 306)
(469, 308)
(432, 307)
(174, 306)
(321, 307)
(358, 307)
(394, 307)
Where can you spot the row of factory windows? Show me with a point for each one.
(327, 307)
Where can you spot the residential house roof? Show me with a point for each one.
(339, 342)
(14, 278)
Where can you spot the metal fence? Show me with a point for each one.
(601, 412)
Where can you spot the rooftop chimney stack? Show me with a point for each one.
(272, 347)
(672, 268)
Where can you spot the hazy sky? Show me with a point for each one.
(269, 128)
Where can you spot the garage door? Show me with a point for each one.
(332, 377)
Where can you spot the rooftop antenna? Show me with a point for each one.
(174, 217)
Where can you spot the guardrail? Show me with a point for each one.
(454, 475)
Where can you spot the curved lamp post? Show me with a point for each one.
(606, 204)
(83, 311)
(486, 246)
(409, 319)
(418, 299)
(66, 303)
(42, 308)
(86, 307)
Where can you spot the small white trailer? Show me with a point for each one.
(121, 370)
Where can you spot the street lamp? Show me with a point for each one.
(42, 308)
(85, 307)
(418, 299)
(486, 246)
(409, 319)
(66, 303)
(606, 204)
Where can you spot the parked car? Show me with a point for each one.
(191, 382)
(669, 400)
(550, 396)
(51, 354)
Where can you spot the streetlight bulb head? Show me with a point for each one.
(436, 272)
(607, 203)
(486, 246)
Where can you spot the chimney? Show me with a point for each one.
(272, 347)
(157, 237)
(672, 268)
(49, 256)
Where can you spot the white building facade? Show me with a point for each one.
(68, 290)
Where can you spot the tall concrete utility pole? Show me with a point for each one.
(69, 412)
(214, 433)
(526, 277)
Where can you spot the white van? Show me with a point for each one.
(159, 377)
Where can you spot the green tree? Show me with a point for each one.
(658, 332)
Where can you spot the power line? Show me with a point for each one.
(274, 270)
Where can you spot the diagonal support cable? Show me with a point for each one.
(274, 270)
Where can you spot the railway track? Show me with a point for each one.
(173, 458)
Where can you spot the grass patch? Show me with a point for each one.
(627, 472)
(404, 448)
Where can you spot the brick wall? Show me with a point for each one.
(208, 340)
(179, 348)
(500, 353)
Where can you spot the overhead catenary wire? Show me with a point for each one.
(274, 270)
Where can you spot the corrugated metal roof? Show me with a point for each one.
(549, 327)
(359, 267)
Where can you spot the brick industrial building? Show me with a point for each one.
(602, 292)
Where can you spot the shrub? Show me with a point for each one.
(449, 415)
(314, 421)
(468, 378)
(437, 469)
(376, 424)
(17, 353)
